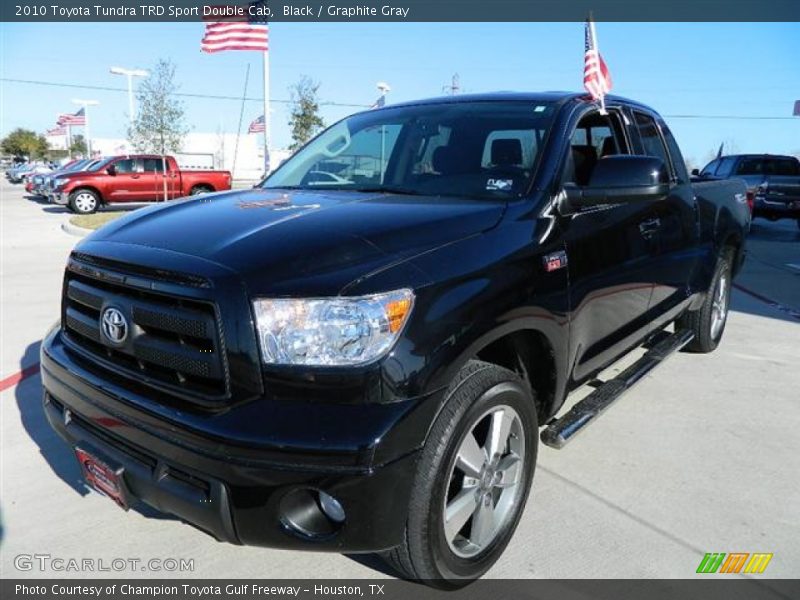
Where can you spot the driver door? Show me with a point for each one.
(609, 250)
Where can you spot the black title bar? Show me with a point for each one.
(403, 10)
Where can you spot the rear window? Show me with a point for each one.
(782, 166)
(750, 166)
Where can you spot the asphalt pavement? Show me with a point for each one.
(702, 456)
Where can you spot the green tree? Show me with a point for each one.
(160, 125)
(24, 142)
(304, 120)
(78, 145)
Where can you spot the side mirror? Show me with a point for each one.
(696, 172)
(111, 170)
(620, 179)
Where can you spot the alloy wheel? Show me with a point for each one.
(482, 489)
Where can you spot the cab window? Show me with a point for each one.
(152, 165)
(681, 173)
(710, 168)
(652, 144)
(595, 137)
(126, 165)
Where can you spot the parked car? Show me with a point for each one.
(773, 181)
(21, 173)
(366, 367)
(83, 164)
(134, 178)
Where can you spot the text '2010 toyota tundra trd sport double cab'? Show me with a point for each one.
(362, 362)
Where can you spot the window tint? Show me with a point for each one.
(710, 168)
(677, 158)
(126, 165)
(725, 166)
(750, 166)
(152, 165)
(782, 166)
(651, 139)
(594, 137)
(364, 160)
(475, 149)
(523, 140)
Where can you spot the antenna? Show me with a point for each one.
(454, 87)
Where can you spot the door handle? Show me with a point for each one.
(649, 227)
(134, 176)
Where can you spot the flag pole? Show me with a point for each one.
(86, 131)
(241, 116)
(267, 120)
(597, 50)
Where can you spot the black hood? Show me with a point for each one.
(274, 238)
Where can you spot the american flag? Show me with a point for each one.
(257, 126)
(379, 103)
(596, 78)
(246, 32)
(79, 118)
(56, 131)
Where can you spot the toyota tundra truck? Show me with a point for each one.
(366, 363)
(134, 178)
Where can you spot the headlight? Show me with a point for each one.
(330, 331)
(60, 181)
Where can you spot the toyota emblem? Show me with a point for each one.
(114, 325)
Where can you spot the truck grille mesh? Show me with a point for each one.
(173, 342)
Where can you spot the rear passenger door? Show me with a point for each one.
(153, 170)
(676, 249)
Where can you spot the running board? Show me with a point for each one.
(560, 431)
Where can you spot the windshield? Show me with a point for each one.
(76, 166)
(473, 149)
(98, 164)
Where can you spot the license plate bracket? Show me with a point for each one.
(103, 475)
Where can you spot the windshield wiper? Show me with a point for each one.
(388, 189)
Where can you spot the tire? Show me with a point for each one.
(481, 397)
(200, 189)
(83, 202)
(708, 323)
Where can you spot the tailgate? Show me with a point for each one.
(784, 189)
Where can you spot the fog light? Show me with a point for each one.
(331, 507)
(311, 513)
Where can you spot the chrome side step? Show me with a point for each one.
(560, 431)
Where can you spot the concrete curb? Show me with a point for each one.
(71, 229)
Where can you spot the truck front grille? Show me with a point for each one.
(170, 342)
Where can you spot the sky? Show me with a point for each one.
(680, 69)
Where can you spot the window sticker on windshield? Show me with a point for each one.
(499, 184)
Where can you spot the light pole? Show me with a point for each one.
(86, 104)
(130, 74)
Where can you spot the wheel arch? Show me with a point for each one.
(533, 350)
(90, 188)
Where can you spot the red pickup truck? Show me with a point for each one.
(134, 178)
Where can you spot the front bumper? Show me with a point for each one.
(61, 198)
(237, 495)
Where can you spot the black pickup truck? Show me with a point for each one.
(362, 362)
(772, 180)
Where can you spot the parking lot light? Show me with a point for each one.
(130, 74)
